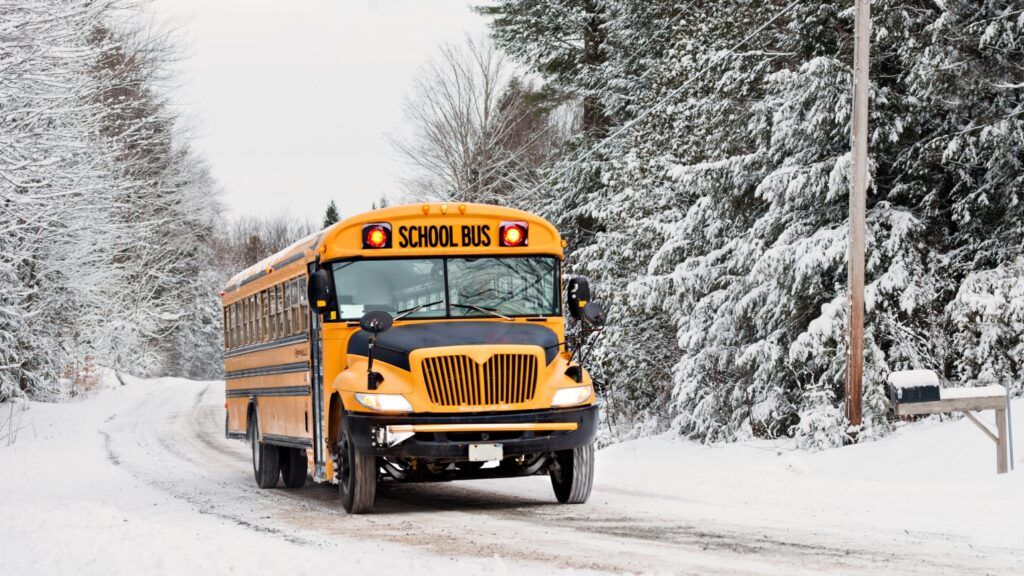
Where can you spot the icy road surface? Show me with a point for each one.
(140, 478)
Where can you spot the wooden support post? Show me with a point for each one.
(1001, 448)
(858, 195)
(981, 427)
(967, 400)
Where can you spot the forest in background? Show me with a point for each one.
(107, 214)
(696, 157)
(694, 154)
(113, 242)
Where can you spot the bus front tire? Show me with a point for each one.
(265, 461)
(294, 464)
(356, 474)
(572, 474)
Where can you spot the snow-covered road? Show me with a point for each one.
(141, 478)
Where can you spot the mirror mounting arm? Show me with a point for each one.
(373, 323)
(373, 379)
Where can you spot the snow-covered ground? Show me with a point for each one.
(140, 477)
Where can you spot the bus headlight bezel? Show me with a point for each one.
(383, 402)
(571, 396)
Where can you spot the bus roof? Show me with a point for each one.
(344, 239)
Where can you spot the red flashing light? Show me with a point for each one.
(377, 235)
(513, 234)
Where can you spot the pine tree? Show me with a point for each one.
(563, 40)
(716, 226)
(331, 214)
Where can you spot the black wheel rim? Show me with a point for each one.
(344, 462)
(255, 450)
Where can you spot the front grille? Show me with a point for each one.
(509, 378)
(460, 381)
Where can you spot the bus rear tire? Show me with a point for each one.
(572, 474)
(265, 462)
(356, 474)
(294, 464)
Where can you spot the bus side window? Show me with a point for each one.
(224, 327)
(245, 322)
(244, 303)
(286, 289)
(303, 313)
(281, 332)
(240, 309)
(264, 303)
(252, 320)
(284, 310)
(238, 324)
(261, 322)
(286, 321)
(293, 306)
(296, 300)
(231, 326)
(271, 331)
(275, 313)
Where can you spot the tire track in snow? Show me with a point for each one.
(173, 440)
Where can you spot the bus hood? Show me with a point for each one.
(395, 345)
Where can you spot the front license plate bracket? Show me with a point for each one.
(485, 452)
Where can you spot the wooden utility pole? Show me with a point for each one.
(858, 194)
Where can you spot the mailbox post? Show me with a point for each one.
(917, 392)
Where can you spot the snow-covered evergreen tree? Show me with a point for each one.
(716, 224)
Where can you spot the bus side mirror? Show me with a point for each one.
(319, 292)
(376, 322)
(577, 294)
(593, 314)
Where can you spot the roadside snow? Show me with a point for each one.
(67, 507)
(139, 478)
(931, 481)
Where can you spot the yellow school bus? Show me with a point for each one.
(413, 343)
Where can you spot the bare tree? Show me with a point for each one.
(106, 213)
(479, 132)
(245, 240)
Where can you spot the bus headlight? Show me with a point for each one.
(384, 402)
(570, 396)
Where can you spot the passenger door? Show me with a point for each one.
(316, 372)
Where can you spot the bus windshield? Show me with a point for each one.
(448, 287)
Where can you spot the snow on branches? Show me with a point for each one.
(105, 211)
(716, 226)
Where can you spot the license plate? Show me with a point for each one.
(485, 452)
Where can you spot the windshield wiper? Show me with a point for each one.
(484, 310)
(415, 309)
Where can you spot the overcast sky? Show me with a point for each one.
(291, 99)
